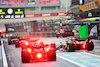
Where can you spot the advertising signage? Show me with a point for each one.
(12, 13)
(88, 1)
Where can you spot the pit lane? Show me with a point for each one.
(14, 55)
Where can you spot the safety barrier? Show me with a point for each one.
(21, 34)
(43, 34)
(35, 34)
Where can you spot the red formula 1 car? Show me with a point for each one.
(37, 51)
(20, 41)
(12, 40)
(64, 33)
(77, 44)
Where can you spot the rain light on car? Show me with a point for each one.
(26, 43)
(29, 50)
(47, 49)
(38, 55)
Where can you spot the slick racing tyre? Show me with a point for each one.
(9, 42)
(70, 47)
(17, 44)
(90, 46)
(52, 52)
(52, 55)
(57, 36)
(25, 56)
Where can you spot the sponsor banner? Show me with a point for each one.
(37, 15)
(22, 16)
(19, 16)
(54, 14)
(61, 14)
(87, 1)
(7, 16)
(88, 6)
(92, 30)
(46, 14)
(19, 11)
(2, 12)
(12, 16)
(2, 16)
(29, 15)
(12, 13)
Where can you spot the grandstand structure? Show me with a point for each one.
(35, 8)
(13, 2)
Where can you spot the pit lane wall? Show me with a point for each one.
(35, 34)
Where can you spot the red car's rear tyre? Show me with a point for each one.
(52, 55)
(70, 47)
(25, 56)
(90, 46)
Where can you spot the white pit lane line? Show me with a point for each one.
(5, 64)
(71, 61)
(76, 62)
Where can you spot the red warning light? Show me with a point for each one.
(39, 55)
(0, 31)
(47, 49)
(83, 46)
(29, 50)
(26, 43)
